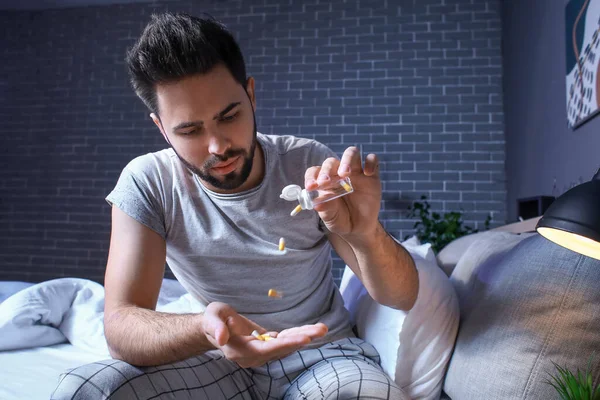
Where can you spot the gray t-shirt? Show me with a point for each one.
(226, 247)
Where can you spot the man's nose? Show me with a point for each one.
(218, 144)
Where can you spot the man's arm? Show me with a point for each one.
(383, 266)
(134, 331)
(141, 336)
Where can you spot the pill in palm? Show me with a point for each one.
(257, 335)
(266, 337)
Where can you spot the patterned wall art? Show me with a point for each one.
(583, 60)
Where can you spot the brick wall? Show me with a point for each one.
(418, 82)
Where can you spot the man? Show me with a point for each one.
(209, 206)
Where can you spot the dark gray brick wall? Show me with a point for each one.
(416, 81)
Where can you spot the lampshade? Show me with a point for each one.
(573, 219)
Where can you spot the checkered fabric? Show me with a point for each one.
(344, 369)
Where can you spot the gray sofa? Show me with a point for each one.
(525, 302)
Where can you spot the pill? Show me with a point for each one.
(264, 337)
(257, 335)
(346, 187)
(275, 293)
(281, 244)
(296, 210)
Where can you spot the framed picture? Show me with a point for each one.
(583, 60)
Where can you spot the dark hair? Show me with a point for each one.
(175, 46)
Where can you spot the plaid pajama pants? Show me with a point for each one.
(344, 369)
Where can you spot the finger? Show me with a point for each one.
(320, 329)
(260, 352)
(350, 162)
(222, 335)
(292, 346)
(216, 328)
(328, 171)
(371, 165)
(240, 325)
(310, 177)
(313, 331)
(269, 346)
(284, 344)
(217, 317)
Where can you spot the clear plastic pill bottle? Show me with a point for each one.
(307, 199)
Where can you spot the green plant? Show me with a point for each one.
(571, 386)
(436, 229)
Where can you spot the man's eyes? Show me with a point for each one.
(189, 133)
(228, 118)
(225, 118)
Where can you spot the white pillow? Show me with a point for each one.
(415, 347)
(53, 312)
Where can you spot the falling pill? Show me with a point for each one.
(281, 244)
(275, 293)
(296, 210)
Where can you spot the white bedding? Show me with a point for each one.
(52, 326)
(33, 373)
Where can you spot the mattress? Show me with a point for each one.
(51, 327)
(34, 373)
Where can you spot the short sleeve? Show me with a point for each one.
(138, 197)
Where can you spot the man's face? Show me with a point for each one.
(209, 121)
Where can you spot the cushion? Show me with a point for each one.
(486, 248)
(525, 307)
(448, 257)
(414, 346)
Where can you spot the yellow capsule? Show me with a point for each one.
(266, 337)
(275, 293)
(257, 335)
(296, 210)
(281, 244)
(346, 187)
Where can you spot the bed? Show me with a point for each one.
(33, 373)
(53, 326)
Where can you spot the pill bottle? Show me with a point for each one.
(307, 199)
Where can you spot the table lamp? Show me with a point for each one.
(573, 219)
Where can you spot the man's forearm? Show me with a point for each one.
(145, 337)
(387, 270)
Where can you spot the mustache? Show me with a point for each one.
(211, 162)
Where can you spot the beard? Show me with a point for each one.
(232, 180)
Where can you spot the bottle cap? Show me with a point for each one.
(291, 192)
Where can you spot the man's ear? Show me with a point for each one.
(158, 123)
(250, 91)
